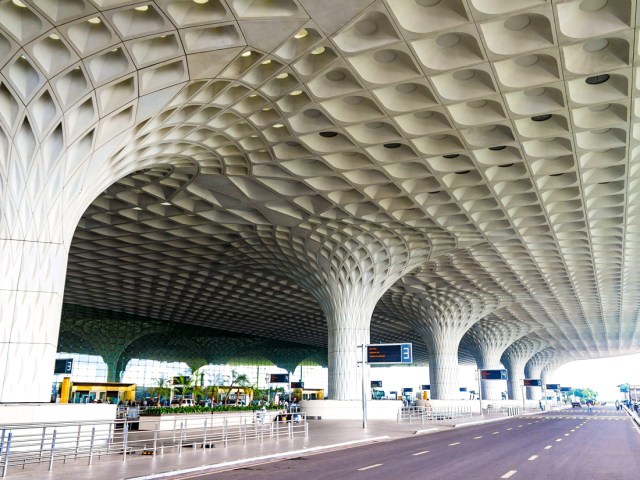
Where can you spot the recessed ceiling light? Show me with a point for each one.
(317, 51)
(296, 92)
(137, 208)
(266, 62)
(278, 125)
(200, 1)
(166, 204)
(18, 3)
(282, 76)
(142, 8)
(301, 33)
(54, 36)
(597, 79)
(541, 118)
(246, 54)
(94, 20)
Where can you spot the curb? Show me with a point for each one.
(256, 460)
(491, 420)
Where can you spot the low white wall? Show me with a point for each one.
(166, 422)
(14, 414)
(59, 417)
(351, 409)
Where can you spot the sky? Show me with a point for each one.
(602, 375)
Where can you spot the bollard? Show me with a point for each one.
(53, 448)
(93, 436)
(4, 431)
(180, 437)
(6, 455)
(306, 427)
(204, 439)
(225, 431)
(155, 439)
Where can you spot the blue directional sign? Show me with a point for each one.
(63, 365)
(566, 389)
(376, 383)
(531, 382)
(463, 389)
(552, 386)
(493, 374)
(390, 353)
(425, 387)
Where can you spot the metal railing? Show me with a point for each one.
(428, 414)
(47, 443)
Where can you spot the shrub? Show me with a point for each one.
(199, 409)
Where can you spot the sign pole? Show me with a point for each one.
(364, 388)
(480, 391)
(524, 403)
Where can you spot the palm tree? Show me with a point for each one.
(161, 388)
(238, 380)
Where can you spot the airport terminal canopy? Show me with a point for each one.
(457, 173)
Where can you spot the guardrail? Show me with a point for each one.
(47, 443)
(427, 414)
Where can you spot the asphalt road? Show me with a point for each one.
(572, 444)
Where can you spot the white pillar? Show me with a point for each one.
(515, 374)
(31, 290)
(491, 389)
(443, 367)
(348, 329)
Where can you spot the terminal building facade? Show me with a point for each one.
(197, 180)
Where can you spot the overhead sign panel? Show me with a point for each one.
(294, 384)
(376, 383)
(390, 353)
(425, 387)
(493, 374)
(279, 378)
(530, 382)
(552, 386)
(63, 365)
(566, 389)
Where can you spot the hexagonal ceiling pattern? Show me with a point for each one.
(476, 155)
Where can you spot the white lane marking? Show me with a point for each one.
(509, 428)
(572, 430)
(476, 438)
(532, 458)
(454, 443)
(495, 433)
(520, 426)
(370, 466)
(420, 453)
(509, 474)
(566, 434)
(547, 447)
(558, 439)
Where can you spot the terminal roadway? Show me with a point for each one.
(567, 444)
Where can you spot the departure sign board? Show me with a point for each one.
(493, 374)
(390, 353)
(425, 387)
(552, 386)
(376, 383)
(63, 365)
(566, 389)
(530, 382)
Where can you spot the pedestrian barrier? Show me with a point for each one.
(428, 414)
(47, 443)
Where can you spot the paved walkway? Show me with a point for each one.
(324, 435)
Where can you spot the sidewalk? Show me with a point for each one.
(324, 435)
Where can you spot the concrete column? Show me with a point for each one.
(31, 290)
(514, 358)
(443, 367)
(534, 368)
(348, 328)
(491, 389)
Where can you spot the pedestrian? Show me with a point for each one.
(590, 405)
(617, 404)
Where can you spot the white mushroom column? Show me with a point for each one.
(347, 268)
(441, 316)
(514, 358)
(487, 340)
(533, 369)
